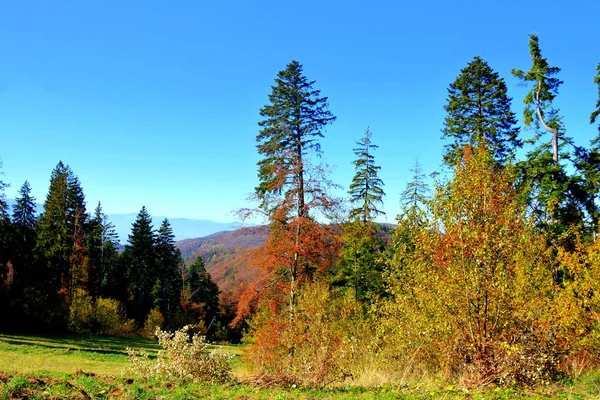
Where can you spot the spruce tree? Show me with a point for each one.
(478, 110)
(366, 191)
(140, 263)
(24, 222)
(168, 260)
(289, 137)
(294, 121)
(55, 240)
(201, 288)
(103, 255)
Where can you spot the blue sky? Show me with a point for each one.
(156, 103)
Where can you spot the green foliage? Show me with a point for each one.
(140, 259)
(366, 191)
(102, 251)
(361, 263)
(294, 121)
(110, 319)
(154, 321)
(558, 198)
(201, 287)
(596, 112)
(478, 111)
(81, 312)
(100, 317)
(168, 261)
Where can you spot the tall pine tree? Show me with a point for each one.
(168, 259)
(290, 131)
(366, 192)
(141, 266)
(478, 110)
(24, 222)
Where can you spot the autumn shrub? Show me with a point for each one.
(576, 309)
(318, 347)
(471, 297)
(182, 358)
(153, 323)
(81, 312)
(102, 317)
(110, 319)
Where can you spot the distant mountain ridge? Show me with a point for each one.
(183, 228)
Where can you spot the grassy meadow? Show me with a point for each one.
(92, 367)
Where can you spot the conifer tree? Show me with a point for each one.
(366, 190)
(6, 267)
(102, 250)
(292, 125)
(55, 239)
(140, 263)
(24, 222)
(201, 288)
(558, 198)
(478, 110)
(168, 260)
(596, 112)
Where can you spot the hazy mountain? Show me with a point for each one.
(183, 228)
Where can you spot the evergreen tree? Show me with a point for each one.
(55, 240)
(478, 110)
(366, 187)
(361, 263)
(102, 251)
(293, 122)
(416, 194)
(24, 222)
(596, 112)
(140, 263)
(558, 199)
(201, 288)
(6, 267)
(168, 260)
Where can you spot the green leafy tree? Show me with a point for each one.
(478, 110)
(366, 191)
(558, 198)
(140, 259)
(168, 260)
(288, 187)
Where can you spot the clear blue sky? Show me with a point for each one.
(156, 102)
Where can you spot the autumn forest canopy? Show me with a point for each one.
(490, 275)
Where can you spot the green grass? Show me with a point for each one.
(68, 353)
(42, 367)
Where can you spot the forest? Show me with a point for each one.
(490, 276)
